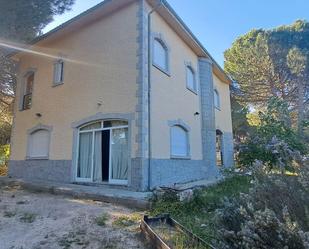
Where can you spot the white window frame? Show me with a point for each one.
(179, 123)
(23, 86)
(217, 102)
(159, 38)
(58, 73)
(93, 131)
(195, 83)
(30, 133)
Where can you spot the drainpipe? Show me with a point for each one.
(160, 3)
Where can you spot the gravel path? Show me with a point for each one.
(44, 221)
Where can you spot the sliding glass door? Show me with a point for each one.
(103, 152)
(119, 156)
(85, 157)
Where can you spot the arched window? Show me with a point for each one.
(103, 152)
(179, 141)
(160, 55)
(219, 152)
(38, 144)
(27, 91)
(217, 99)
(191, 80)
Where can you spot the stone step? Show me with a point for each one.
(131, 199)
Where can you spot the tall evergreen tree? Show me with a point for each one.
(273, 63)
(20, 22)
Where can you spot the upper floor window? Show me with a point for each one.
(191, 79)
(179, 142)
(217, 99)
(58, 72)
(27, 91)
(160, 55)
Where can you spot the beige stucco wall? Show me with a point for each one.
(223, 115)
(103, 70)
(170, 98)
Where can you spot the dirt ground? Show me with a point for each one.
(44, 221)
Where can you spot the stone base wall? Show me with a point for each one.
(164, 172)
(50, 170)
(168, 172)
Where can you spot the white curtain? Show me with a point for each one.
(119, 154)
(97, 175)
(85, 155)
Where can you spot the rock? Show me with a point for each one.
(186, 195)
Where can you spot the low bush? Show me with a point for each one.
(274, 142)
(274, 214)
(4, 157)
(101, 220)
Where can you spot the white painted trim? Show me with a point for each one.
(159, 37)
(61, 82)
(29, 133)
(76, 137)
(23, 86)
(187, 129)
(188, 65)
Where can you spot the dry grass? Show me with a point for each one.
(3, 170)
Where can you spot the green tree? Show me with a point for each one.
(23, 20)
(265, 64)
(20, 22)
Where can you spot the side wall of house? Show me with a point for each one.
(224, 121)
(173, 102)
(100, 77)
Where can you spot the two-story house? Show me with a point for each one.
(123, 94)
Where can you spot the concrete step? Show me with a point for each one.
(103, 193)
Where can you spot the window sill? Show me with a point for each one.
(57, 84)
(37, 158)
(192, 90)
(181, 157)
(162, 70)
(22, 110)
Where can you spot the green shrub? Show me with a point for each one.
(274, 214)
(274, 142)
(101, 220)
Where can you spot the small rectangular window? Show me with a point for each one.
(27, 91)
(191, 80)
(58, 72)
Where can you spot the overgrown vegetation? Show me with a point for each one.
(274, 142)
(27, 217)
(101, 220)
(198, 214)
(273, 214)
(270, 208)
(127, 220)
(4, 157)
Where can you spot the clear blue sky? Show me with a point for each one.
(217, 23)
